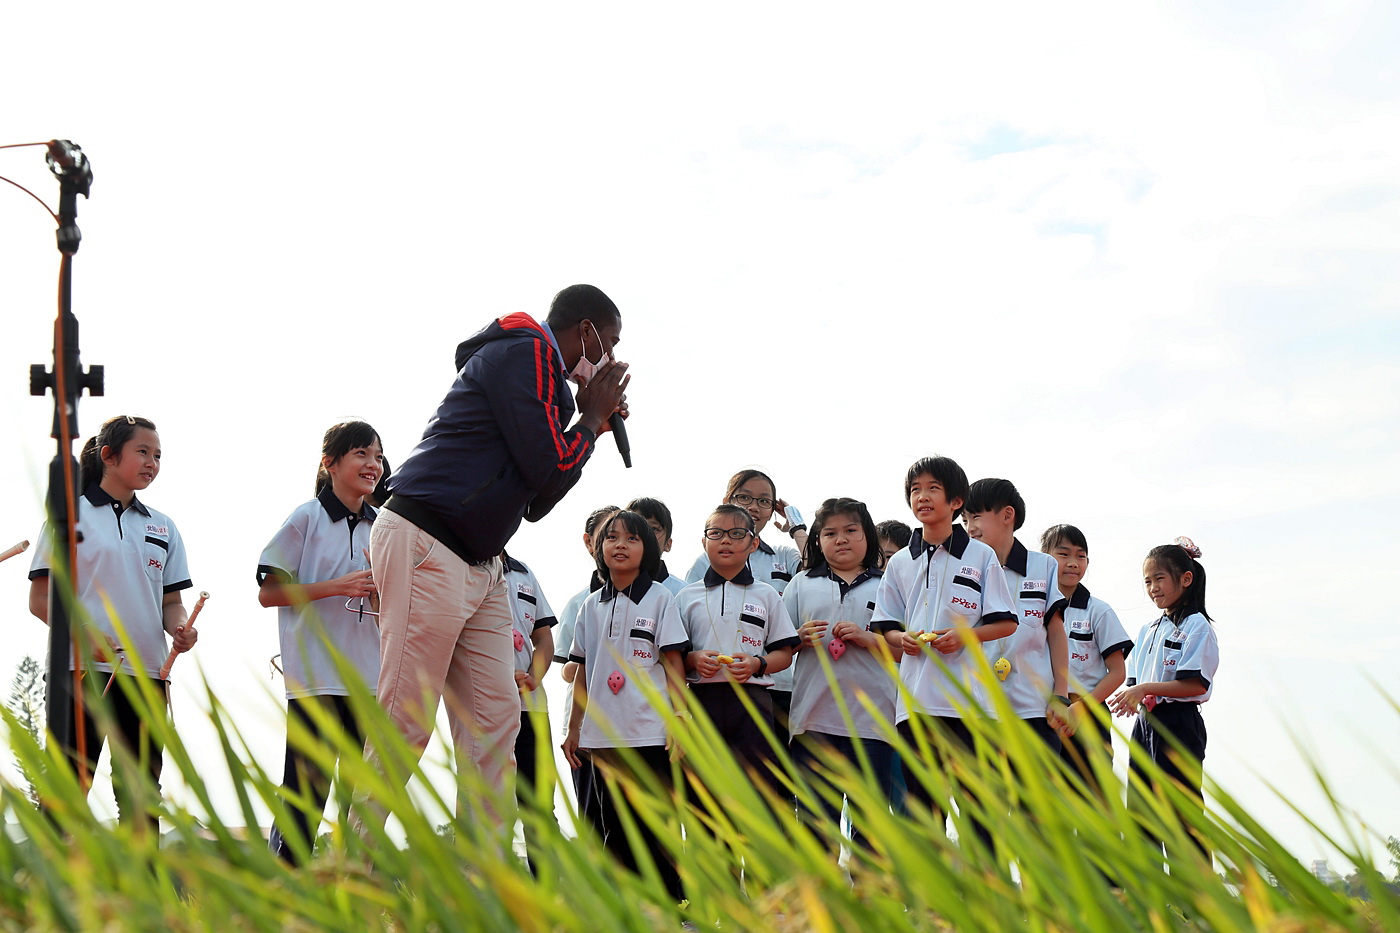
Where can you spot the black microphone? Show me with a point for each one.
(619, 433)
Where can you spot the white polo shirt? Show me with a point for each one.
(319, 541)
(739, 616)
(626, 633)
(529, 612)
(820, 595)
(774, 566)
(1094, 632)
(1167, 650)
(129, 558)
(1033, 578)
(927, 587)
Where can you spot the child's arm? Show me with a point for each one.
(951, 640)
(1117, 673)
(570, 746)
(704, 663)
(173, 618)
(1058, 643)
(543, 640)
(1129, 700)
(39, 599)
(901, 642)
(277, 592)
(674, 662)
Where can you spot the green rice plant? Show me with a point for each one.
(1063, 858)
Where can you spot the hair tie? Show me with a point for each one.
(1189, 546)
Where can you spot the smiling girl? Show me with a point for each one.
(311, 569)
(1171, 671)
(130, 571)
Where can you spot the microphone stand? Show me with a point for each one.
(67, 382)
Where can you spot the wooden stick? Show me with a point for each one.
(189, 623)
(14, 551)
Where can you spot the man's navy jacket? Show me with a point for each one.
(497, 450)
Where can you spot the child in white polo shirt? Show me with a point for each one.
(532, 621)
(943, 583)
(740, 635)
(1035, 676)
(1098, 647)
(131, 569)
(629, 643)
(316, 572)
(841, 663)
(754, 492)
(1172, 673)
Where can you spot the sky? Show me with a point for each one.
(1138, 258)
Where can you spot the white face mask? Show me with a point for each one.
(584, 369)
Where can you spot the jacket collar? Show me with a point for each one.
(99, 497)
(634, 592)
(743, 578)
(955, 545)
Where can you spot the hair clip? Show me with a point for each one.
(130, 419)
(1189, 546)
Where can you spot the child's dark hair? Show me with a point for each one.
(743, 476)
(338, 441)
(734, 511)
(993, 495)
(835, 508)
(114, 434)
(1056, 535)
(590, 524)
(1177, 560)
(653, 509)
(896, 531)
(634, 524)
(943, 469)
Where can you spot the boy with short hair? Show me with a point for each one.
(1036, 680)
(658, 517)
(942, 583)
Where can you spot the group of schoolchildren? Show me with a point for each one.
(798, 641)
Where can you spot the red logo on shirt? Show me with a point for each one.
(1035, 613)
(750, 641)
(156, 564)
(1075, 656)
(639, 653)
(965, 603)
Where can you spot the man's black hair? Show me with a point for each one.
(993, 495)
(945, 471)
(579, 303)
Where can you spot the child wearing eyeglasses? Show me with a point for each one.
(754, 492)
(740, 635)
(315, 570)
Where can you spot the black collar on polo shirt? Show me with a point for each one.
(662, 573)
(100, 497)
(742, 578)
(1017, 559)
(513, 565)
(955, 545)
(337, 510)
(595, 582)
(1080, 599)
(763, 546)
(824, 570)
(635, 591)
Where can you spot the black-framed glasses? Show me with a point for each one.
(743, 498)
(736, 534)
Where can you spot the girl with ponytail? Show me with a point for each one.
(1171, 672)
